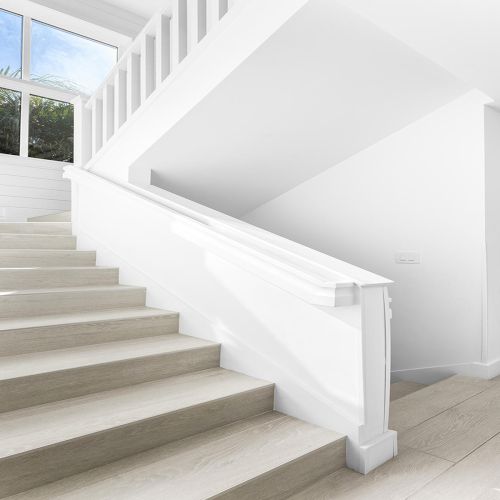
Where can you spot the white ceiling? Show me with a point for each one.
(123, 16)
(142, 8)
(462, 36)
(324, 87)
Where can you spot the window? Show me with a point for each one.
(11, 38)
(50, 129)
(68, 61)
(10, 121)
(37, 81)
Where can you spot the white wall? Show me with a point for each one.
(30, 187)
(324, 86)
(491, 348)
(420, 189)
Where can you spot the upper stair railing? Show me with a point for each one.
(152, 58)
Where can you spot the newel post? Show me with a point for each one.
(375, 443)
(82, 132)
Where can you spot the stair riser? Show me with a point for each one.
(37, 304)
(23, 279)
(59, 217)
(32, 241)
(46, 258)
(48, 387)
(28, 470)
(291, 477)
(47, 338)
(35, 227)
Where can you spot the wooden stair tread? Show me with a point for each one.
(82, 317)
(101, 288)
(44, 425)
(25, 365)
(201, 466)
(36, 227)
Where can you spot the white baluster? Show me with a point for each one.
(162, 49)
(133, 83)
(179, 32)
(215, 11)
(147, 66)
(120, 98)
(96, 125)
(82, 151)
(108, 105)
(196, 22)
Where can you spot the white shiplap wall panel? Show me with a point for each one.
(31, 187)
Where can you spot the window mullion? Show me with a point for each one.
(25, 117)
(26, 50)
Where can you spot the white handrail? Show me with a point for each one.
(168, 37)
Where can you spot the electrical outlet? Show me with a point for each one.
(407, 258)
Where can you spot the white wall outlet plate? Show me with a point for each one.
(407, 258)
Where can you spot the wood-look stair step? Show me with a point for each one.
(36, 227)
(40, 301)
(46, 258)
(45, 443)
(58, 217)
(269, 456)
(44, 377)
(34, 241)
(44, 333)
(22, 278)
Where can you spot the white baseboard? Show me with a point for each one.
(432, 374)
(368, 456)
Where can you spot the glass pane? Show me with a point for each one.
(50, 129)
(10, 120)
(68, 61)
(11, 36)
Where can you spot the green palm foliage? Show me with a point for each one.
(50, 123)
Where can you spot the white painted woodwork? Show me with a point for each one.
(196, 22)
(62, 331)
(147, 66)
(108, 106)
(97, 125)
(179, 39)
(162, 49)
(38, 378)
(249, 269)
(120, 106)
(133, 83)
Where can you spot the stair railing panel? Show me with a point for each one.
(152, 58)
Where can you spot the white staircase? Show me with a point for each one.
(95, 384)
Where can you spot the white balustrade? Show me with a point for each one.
(151, 58)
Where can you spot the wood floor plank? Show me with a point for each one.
(454, 434)
(395, 480)
(477, 477)
(413, 409)
(403, 388)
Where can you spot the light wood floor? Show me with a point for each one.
(449, 447)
